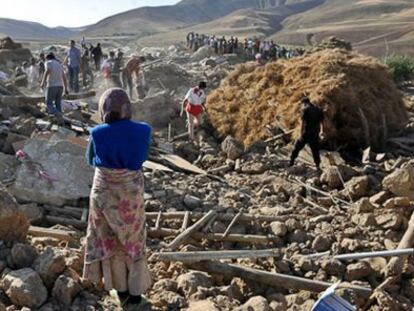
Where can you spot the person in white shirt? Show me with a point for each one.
(33, 74)
(55, 80)
(194, 105)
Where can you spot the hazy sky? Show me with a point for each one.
(70, 13)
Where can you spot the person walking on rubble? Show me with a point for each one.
(116, 235)
(55, 79)
(194, 105)
(87, 74)
(97, 56)
(312, 118)
(129, 73)
(73, 61)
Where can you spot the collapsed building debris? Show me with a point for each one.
(255, 231)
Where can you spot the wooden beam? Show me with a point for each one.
(63, 235)
(232, 223)
(215, 255)
(273, 279)
(182, 237)
(217, 237)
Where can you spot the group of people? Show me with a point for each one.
(250, 47)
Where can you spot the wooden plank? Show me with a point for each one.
(183, 236)
(216, 237)
(273, 279)
(186, 219)
(182, 164)
(156, 167)
(215, 255)
(63, 235)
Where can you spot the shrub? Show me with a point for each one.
(401, 67)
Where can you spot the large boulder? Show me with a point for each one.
(13, 223)
(401, 182)
(156, 109)
(66, 176)
(12, 53)
(202, 53)
(25, 288)
(231, 148)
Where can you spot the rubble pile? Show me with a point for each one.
(333, 43)
(12, 53)
(362, 105)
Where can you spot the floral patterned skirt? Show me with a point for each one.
(115, 241)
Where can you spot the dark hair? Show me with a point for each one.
(202, 85)
(112, 117)
(50, 56)
(72, 42)
(111, 53)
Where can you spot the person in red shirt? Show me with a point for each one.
(194, 105)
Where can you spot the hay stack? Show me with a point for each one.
(349, 88)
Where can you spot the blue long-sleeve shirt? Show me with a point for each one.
(120, 145)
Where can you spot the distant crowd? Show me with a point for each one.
(250, 47)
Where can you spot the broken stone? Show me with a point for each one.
(358, 271)
(25, 288)
(357, 187)
(278, 228)
(13, 223)
(169, 300)
(401, 182)
(322, 243)
(390, 221)
(23, 255)
(165, 285)
(331, 175)
(50, 264)
(333, 267)
(203, 305)
(192, 202)
(65, 290)
(363, 206)
(231, 148)
(257, 303)
(402, 202)
(24, 126)
(64, 163)
(379, 198)
(189, 283)
(366, 219)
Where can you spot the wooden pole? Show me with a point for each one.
(217, 237)
(182, 237)
(186, 219)
(233, 222)
(395, 265)
(214, 255)
(273, 279)
(224, 217)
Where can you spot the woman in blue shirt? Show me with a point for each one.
(115, 243)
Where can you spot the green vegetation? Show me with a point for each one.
(401, 67)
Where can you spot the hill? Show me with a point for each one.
(246, 22)
(376, 27)
(34, 31)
